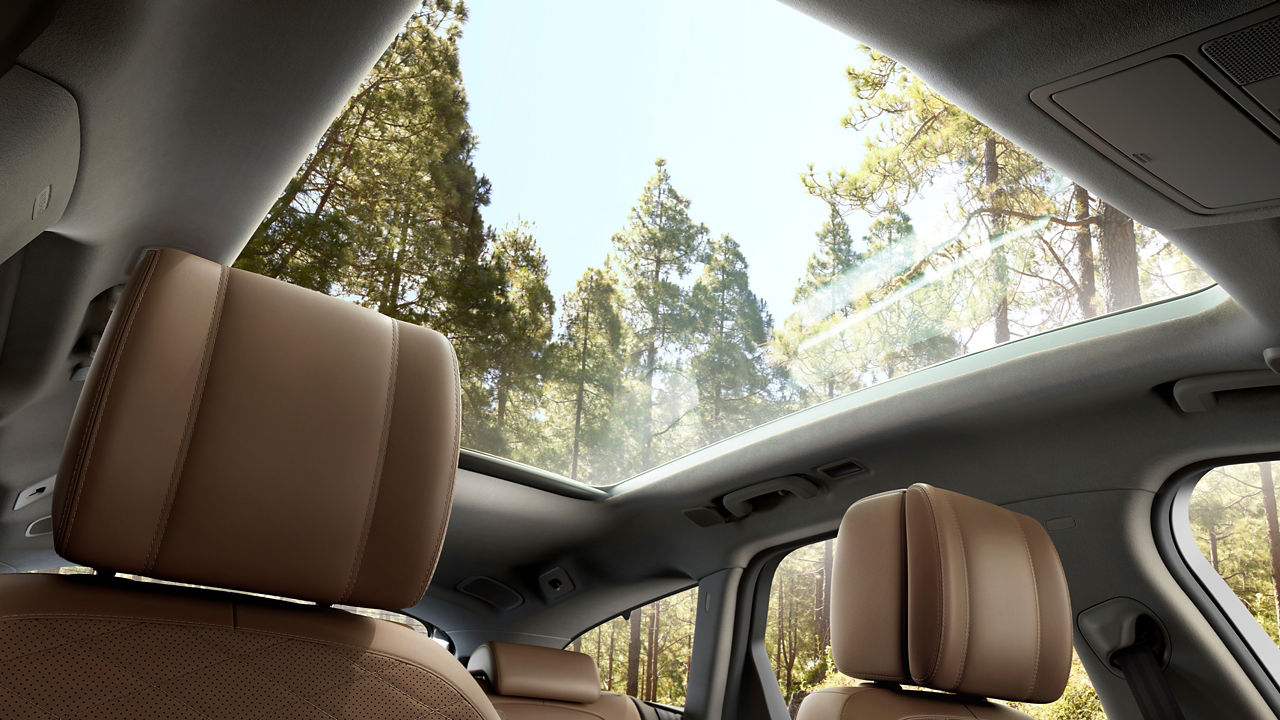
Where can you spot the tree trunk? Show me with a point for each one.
(655, 624)
(582, 392)
(781, 638)
(650, 362)
(991, 175)
(1120, 259)
(828, 562)
(577, 644)
(633, 656)
(1087, 288)
(1002, 316)
(818, 582)
(613, 635)
(1273, 528)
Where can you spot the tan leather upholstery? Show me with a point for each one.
(539, 672)
(869, 702)
(943, 591)
(870, 571)
(987, 606)
(610, 706)
(239, 432)
(536, 683)
(80, 647)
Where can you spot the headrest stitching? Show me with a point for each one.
(964, 574)
(1035, 597)
(453, 472)
(72, 502)
(371, 505)
(942, 595)
(193, 413)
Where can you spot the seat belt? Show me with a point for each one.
(647, 711)
(1147, 683)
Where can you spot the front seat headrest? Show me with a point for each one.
(944, 591)
(239, 432)
(515, 670)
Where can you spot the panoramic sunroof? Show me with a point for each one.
(644, 236)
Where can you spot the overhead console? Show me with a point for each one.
(1197, 118)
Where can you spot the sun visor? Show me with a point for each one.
(1180, 119)
(39, 154)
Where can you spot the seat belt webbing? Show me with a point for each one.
(1147, 683)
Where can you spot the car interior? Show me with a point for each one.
(266, 504)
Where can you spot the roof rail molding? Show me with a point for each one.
(527, 475)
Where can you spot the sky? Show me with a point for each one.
(573, 101)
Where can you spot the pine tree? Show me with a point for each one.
(729, 330)
(837, 253)
(655, 250)
(396, 162)
(586, 373)
(387, 211)
(518, 346)
(921, 140)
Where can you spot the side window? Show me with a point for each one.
(1233, 519)
(648, 655)
(799, 640)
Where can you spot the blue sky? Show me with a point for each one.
(573, 101)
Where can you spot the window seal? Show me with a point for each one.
(1254, 650)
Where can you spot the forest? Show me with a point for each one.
(1233, 518)
(663, 347)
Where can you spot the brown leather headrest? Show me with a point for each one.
(938, 589)
(515, 670)
(239, 432)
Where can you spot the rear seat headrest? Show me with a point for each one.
(516, 670)
(952, 593)
(239, 432)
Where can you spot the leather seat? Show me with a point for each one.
(526, 682)
(241, 433)
(939, 590)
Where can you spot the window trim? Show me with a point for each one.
(626, 615)
(1255, 652)
(751, 652)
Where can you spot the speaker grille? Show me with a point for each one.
(1250, 55)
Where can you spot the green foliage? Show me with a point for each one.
(521, 330)
(587, 361)
(730, 327)
(665, 649)
(1021, 261)
(657, 248)
(666, 348)
(1229, 519)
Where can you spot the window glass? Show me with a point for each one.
(684, 237)
(646, 656)
(799, 640)
(1233, 519)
